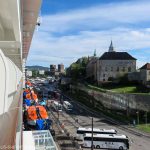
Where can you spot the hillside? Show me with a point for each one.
(37, 68)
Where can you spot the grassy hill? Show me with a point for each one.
(37, 68)
(137, 89)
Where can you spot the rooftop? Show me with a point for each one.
(106, 135)
(146, 66)
(116, 56)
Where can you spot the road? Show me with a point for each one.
(84, 115)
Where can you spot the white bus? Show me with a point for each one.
(67, 105)
(57, 106)
(81, 131)
(106, 141)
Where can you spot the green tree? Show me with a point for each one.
(34, 73)
(77, 70)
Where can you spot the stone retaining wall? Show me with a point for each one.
(118, 101)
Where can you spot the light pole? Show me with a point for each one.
(138, 120)
(92, 136)
(93, 98)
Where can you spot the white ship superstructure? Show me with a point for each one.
(18, 19)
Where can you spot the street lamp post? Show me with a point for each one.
(93, 98)
(92, 136)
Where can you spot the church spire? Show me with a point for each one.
(111, 48)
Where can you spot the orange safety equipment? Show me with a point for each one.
(34, 96)
(27, 90)
(32, 113)
(28, 83)
(28, 96)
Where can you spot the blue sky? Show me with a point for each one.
(71, 29)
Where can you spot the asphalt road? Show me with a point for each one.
(137, 142)
(83, 114)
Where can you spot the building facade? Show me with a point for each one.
(52, 69)
(91, 68)
(60, 68)
(29, 73)
(41, 72)
(57, 71)
(134, 76)
(112, 65)
(145, 73)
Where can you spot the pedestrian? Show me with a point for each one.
(134, 123)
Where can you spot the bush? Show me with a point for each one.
(111, 79)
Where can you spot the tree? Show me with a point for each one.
(111, 79)
(34, 73)
(77, 70)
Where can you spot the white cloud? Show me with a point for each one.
(48, 47)
(98, 16)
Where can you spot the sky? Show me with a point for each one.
(71, 29)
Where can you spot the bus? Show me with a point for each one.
(57, 106)
(106, 141)
(67, 106)
(81, 131)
